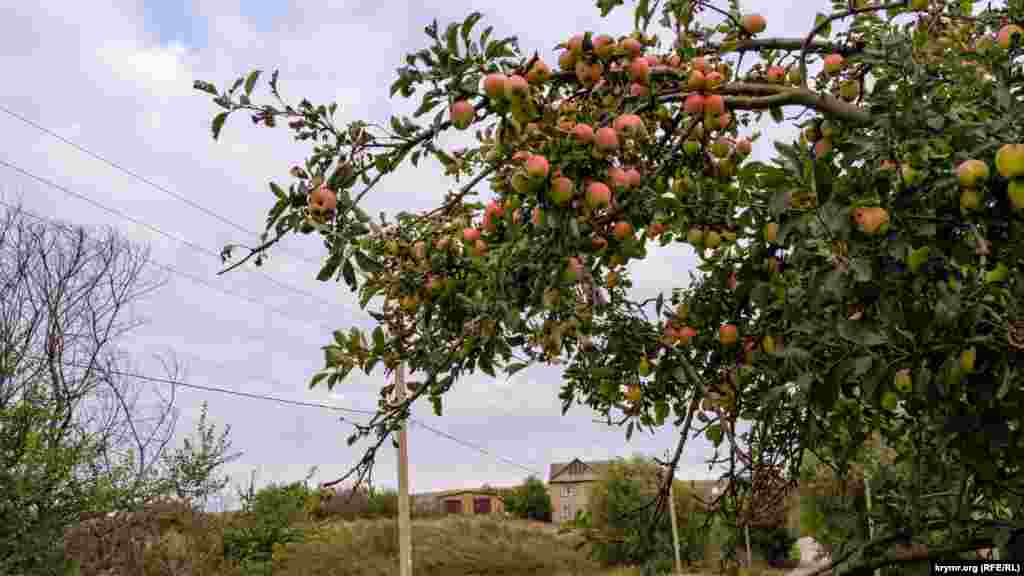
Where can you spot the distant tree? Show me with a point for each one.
(530, 501)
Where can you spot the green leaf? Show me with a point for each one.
(660, 411)
(378, 340)
(777, 115)
(250, 82)
(629, 431)
(349, 274)
(511, 369)
(218, 123)
(451, 38)
(367, 264)
(436, 401)
(819, 18)
(234, 87)
(330, 267)
(205, 87)
(467, 26)
(277, 190)
(862, 365)
(642, 14)
(317, 378)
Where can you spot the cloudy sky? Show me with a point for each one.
(116, 78)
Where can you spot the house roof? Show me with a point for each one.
(489, 491)
(594, 467)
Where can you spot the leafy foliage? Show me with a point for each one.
(530, 501)
(861, 284)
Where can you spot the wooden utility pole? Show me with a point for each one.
(672, 515)
(404, 526)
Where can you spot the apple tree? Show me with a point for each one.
(863, 283)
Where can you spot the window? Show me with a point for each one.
(566, 515)
(568, 491)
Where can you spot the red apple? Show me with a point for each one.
(696, 80)
(727, 334)
(516, 87)
(537, 167)
(640, 70)
(604, 46)
(323, 199)
(494, 86)
(539, 73)
(1005, 35)
(632, 47)
(462, 114)
(753, 23)
(562, 190)
(470, 235)
(714, 104)
(618, 178)
(694, 104)
(584, 133)
(833, 64)
(633, 177)
(598, 195)
(776, 74)
(622, 231)
(606, 139)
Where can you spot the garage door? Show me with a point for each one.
(453, 506)
(481, 505)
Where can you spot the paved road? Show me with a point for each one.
(809, 557)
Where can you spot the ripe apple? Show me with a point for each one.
(584, 133)
(833, 64)
(638, 90)
(633, 177)
(622, 231)
(699, 63)
(516, 88)
(537, 167)
(713, 79)
(640, 70)
(655, 229)
(470, 235)
(618, 178)
(871, 221)
(606, 139)
(323, 199)
(753, 24)
(604, 46)
(743, 147)
(771, 232)
(462, 114)
(479, 248)
(575, 45)
(1010, 160)
(822, 147)
(632, 47)
(972, 172)
(539, 73)
(1015, 190)
(776, 74)
(1006, 34)
(537, 217)
(694, 104)
(727, 334)
(714, 104)
(562, 190)
(685, 334)
(724, 121)
(494, 86)
(598, 195)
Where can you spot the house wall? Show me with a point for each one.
(564, 507)
(467, 498)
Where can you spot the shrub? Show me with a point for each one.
(266, 521)
(621, 532)
(530, 501)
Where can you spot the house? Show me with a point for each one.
(570, 485)
(469, 501)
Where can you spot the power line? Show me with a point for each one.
(279, 311)
(159, 231)
(158, 380)
(141, 178)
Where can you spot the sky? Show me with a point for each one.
(116, 78)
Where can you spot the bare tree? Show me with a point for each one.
(75, 436)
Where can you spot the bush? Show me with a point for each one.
(773, 543)
(346, 504)
(621, 532)
(266, 521)
(530, 501)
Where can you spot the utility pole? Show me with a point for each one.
(672, 515)
(404, 526)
